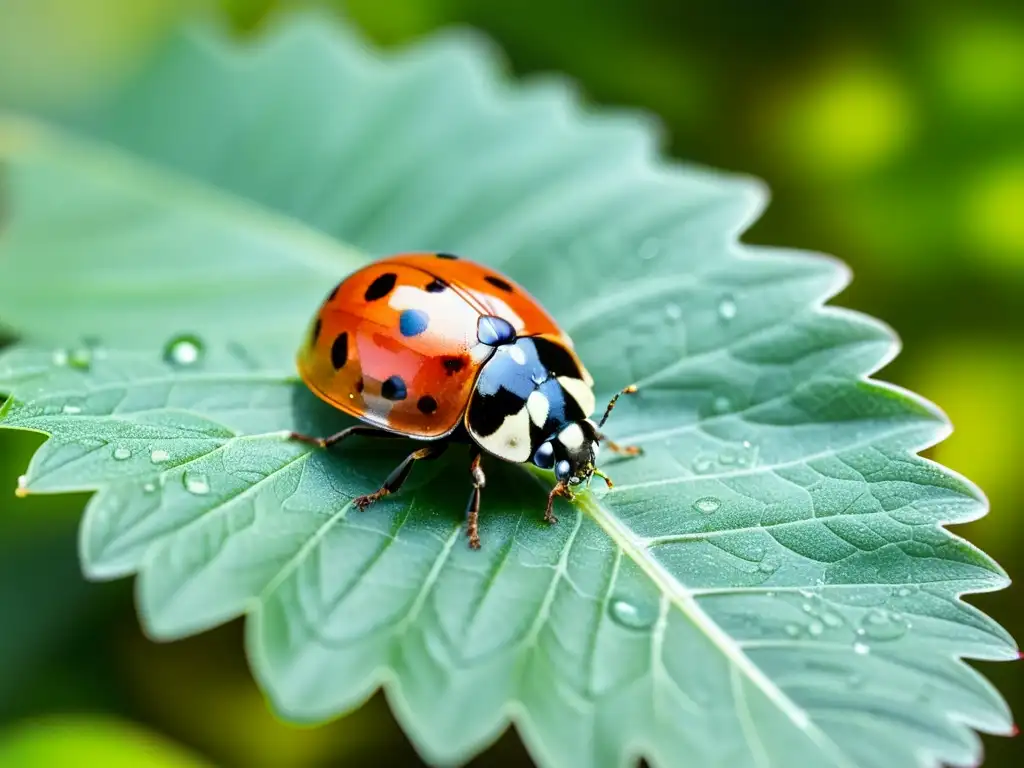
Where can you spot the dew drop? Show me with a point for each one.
(807, 608)
(197, 485)
(905, 591)
(159, 456)
(861, 649)
(71, 410)
(727, 308)
(703, 464)
(883, 625)
(60, 357)
(149, 487)
(793, 630)
(80, 359)
(721, 404)
(768, 565)
(816, 628)
(627, 614)
(707, 504)
(832, 619)
(121, 454)
(674, 312)
(805, 593)
(728, 457)
(183, 351)
(649, 249)
(21, 491)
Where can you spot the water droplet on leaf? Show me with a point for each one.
(60, 357)
(793, 630)
(121, 454)
(727, 308)
(674, 312)
(649, 249)
(183, 351)
(196, 484)
(832, 619)
(627, 614)
(816, 628)
(880, 624)
(159, 456)
(703, 464)
(149, 487)
(21, 491)
(71, 410)
(707, 504)
(80, 359)
(721, 404)
(861, 649)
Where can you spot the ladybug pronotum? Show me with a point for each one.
(439, 349)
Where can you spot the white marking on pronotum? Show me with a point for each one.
(538, 406)
(580, 392)
(571, 437)
(511, 441)
(517, 354)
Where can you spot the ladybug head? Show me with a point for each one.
(571, 452)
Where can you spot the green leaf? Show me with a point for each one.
(769, 585)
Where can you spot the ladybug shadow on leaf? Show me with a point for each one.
(512, 499)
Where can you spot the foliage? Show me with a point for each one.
(770, 584)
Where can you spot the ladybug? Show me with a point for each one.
(440, 349)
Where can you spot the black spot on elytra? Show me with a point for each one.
(453, 365)
(315, 335)
(339, 351)
(393, 389)
(488, 412)
(497, 282)
(427, 404)
(381, 287)
(436, 286)
(450, 256)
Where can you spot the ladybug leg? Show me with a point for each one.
(327, 442)
(473, 508)
(561, 489)
(399, 474)
(620, 450)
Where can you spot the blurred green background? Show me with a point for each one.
(891, 135)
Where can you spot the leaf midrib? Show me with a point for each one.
(681, 597)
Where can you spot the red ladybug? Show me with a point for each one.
(439, 349)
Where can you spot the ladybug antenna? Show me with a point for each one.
(607, 411)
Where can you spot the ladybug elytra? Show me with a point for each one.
(439, 349)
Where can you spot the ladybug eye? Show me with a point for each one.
(562, 469)
(545, 456)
